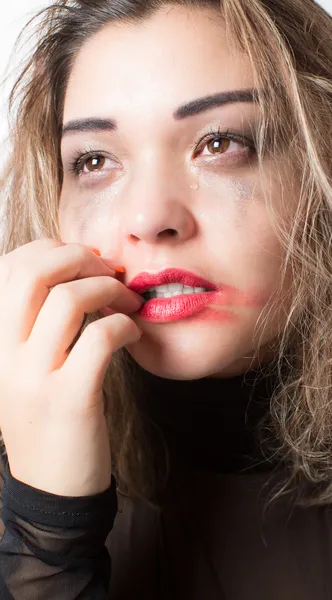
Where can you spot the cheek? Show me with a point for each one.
(87, 219)
(239, 232)
(68, 222)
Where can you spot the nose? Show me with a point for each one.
(157, 210)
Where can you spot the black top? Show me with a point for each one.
(214, 537)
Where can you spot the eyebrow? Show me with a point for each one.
(189, 109)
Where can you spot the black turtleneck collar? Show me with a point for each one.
(211, 424)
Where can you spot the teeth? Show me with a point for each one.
(161, 288)
(172, 289)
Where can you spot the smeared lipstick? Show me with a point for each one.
(164, 310)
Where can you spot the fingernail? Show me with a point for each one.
(136, 337)
(119, 269)
(133, 337)
(139, 299)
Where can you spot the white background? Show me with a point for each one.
(13, 17)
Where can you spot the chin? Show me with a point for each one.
(185, 357)
(169, 368)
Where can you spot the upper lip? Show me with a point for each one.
(144, 281)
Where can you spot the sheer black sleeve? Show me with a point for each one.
(54, 546)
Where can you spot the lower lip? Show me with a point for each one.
(165, 310)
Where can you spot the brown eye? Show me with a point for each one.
(218, 145)
(94, 163)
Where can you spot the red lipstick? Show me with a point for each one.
(164, 310)
(144, 281)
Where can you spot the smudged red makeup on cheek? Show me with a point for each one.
(232, 298)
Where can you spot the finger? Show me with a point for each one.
(34, 247)
(56, 261)
(28, 279)
(61, 316)
(87, 363)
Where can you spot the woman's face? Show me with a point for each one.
(154, 186)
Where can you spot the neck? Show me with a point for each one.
(212, 423)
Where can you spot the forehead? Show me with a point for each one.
(172, 57)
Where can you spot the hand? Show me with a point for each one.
(51, 399)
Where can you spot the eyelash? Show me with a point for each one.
(76, 165)
(227, 135)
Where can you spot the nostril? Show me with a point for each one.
(171, 232)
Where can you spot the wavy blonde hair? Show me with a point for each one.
(289, 43)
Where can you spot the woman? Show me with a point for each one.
(184, 145)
